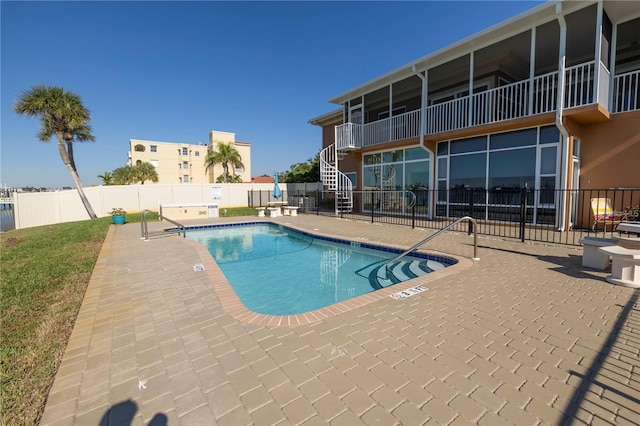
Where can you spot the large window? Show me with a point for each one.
(395, 171)
(496, 169)
(468, 171)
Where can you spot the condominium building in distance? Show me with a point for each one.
(177, 162)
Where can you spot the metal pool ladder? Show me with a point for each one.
(430, 237)
(144, 229)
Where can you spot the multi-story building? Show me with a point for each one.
(548, 99)
(184, 163)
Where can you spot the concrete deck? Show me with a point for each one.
(523, 336)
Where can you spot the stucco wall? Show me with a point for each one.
(609, 152)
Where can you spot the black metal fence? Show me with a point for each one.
(305, 200)
(521, 213)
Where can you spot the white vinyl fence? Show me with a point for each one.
(45, 208)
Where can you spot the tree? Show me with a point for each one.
(146, 171)
(304, 172)
(124, 175)
(141, 172)
(107, 178)
(226, 154)
(231, 179)
(61, 113)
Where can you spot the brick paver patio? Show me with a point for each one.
(523, 336)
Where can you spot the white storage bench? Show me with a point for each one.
(591, 256)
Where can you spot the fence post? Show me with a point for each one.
(470, 225)
(523, 212)
(413, 216)
(372, 205)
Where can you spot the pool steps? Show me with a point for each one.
(400, 271)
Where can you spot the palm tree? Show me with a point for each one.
(146, 171)
(107, 178)
(225, 155)
(63, 114)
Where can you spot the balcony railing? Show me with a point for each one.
(348, 136)
(516, 100)
(579, 85)
(626, 92)
(402, 126)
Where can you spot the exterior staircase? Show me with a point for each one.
(334, 180)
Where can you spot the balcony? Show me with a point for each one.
(517, 100)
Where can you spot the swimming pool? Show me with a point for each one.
(276, 270)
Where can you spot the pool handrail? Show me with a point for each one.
(430, 237)
(144, 229)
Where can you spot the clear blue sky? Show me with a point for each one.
(173, 71)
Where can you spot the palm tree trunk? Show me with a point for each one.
(70, 153)
(74, 174)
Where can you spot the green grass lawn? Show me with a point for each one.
(237, 211)
(44, 272)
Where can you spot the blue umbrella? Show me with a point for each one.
(276, 189)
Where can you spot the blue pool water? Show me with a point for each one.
(279, 271)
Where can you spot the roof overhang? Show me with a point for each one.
(537, 16)
(328, 118)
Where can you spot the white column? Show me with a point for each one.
(598, 53)
(532, 69)
(471, 60)
(612, 86)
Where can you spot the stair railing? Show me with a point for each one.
(144, 229)
(430, 237)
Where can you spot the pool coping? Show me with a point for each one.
(233, 306)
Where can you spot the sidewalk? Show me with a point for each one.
(523, 336)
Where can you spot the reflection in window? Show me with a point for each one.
(415, 154)
(392, 156)
(371, 177)
(548, 160)
(416, 175)
(443, 148)
(513, 169)
(469, 145)
(468, 171)
(372, 159)
(549, 134)
(154, 148)
(353, 177)
(513, 139)
(392, 177)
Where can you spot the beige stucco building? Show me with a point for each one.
(178, 162)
